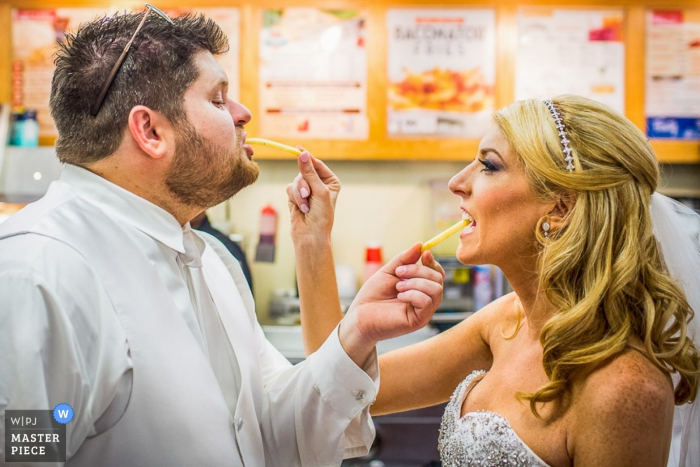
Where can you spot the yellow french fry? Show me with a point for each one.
(442, 236)
(273, 144)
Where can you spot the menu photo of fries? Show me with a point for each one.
(440, 89)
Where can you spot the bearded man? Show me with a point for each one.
(110, 303)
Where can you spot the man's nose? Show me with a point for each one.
(240, 113)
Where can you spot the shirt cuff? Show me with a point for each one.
(340, 381)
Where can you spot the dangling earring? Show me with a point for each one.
(545, 228)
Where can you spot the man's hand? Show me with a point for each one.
(400, 298)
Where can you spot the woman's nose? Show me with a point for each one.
(459, 183)
(240, 113)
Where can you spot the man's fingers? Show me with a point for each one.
(409, 256)
(427, 259)
(426, 286)
(422, 304)
(408, 271)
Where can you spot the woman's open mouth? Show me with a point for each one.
(471, 226)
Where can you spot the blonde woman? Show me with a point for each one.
(584, 362)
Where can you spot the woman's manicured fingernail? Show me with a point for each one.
(400, 270)
(304, 156)
(304, 193)
(304, 208)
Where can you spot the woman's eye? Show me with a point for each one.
(219, 104)
(488, 166)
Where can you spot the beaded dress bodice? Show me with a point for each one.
(480, 438)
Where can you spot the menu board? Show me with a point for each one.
(34, 37)
(441, 71)
(673, 74)
(313, 74)
(563, 51)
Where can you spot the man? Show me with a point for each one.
(111, 304)
(201, 223)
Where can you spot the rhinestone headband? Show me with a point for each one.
(562, 134)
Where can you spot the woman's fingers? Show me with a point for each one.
(295, 199)
(315, 180)
(300, 193)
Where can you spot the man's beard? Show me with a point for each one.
(203, 175)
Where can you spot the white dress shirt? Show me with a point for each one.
(60, 340)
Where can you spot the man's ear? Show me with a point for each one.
(558, 217)
(150, 130)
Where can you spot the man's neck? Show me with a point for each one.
(152, 189)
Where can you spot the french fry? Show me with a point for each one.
(442, 236)
(267, 142)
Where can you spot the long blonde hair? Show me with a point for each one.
(603, 272)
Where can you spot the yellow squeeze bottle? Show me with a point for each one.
(442, 236)
(267, 142)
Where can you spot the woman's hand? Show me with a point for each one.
(400, 298)
(312, 196)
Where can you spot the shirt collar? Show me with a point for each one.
(126, 207)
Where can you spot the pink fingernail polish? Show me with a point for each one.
(304, 193)
(304, 156)
(304, 208)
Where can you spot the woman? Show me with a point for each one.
(582, 364)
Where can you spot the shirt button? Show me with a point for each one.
(239, 424)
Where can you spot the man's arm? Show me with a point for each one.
(39, 361)
(54, 342)
(314, 413)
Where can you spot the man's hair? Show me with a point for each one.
(157, 70)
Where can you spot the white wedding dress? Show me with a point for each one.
(480, 438)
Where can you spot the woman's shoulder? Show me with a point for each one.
(627, 401)
(503, 308)
(500, 317)
(630, 372)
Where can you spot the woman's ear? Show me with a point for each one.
(150, 130)
(558, 217)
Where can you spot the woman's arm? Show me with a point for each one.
(399, 299)
(311, 231)
(427, 373)
(417, 376)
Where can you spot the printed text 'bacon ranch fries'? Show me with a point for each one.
(440, 237)
(267, 142)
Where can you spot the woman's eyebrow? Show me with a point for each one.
(484, 151)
